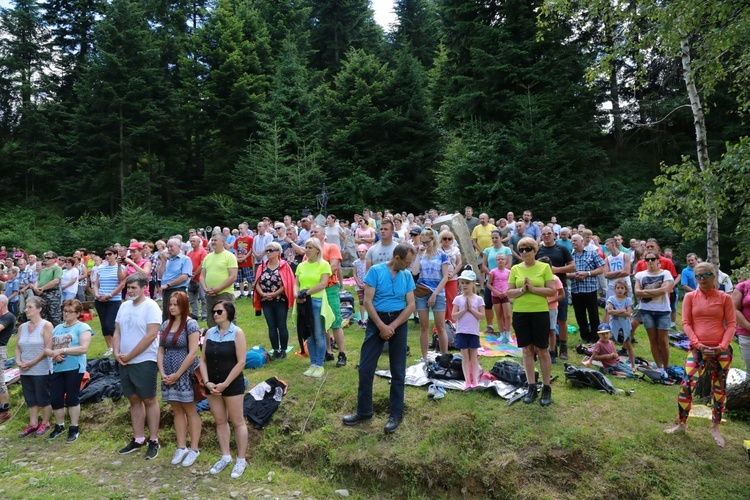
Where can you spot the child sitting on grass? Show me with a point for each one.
(605, 352)
(620, 308)
(468, 310)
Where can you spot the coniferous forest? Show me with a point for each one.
(211, 111)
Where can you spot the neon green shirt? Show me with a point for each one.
(538, 274)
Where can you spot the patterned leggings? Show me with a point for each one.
(694, 366)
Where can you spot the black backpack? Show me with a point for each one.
(579, 376)
(509, 372)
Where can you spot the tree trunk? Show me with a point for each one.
(738, 395)
(699, 119)
(122, 161)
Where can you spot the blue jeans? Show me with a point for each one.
(372, 348)
(316, 343)
(275, 312)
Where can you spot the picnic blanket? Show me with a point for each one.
(12, 375)
(491, 346)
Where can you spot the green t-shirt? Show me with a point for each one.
(48, 274)
(217, 266)
(538, 274)
(309, 273)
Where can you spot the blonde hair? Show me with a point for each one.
(622, 282)
(528, 242)
(704, 267)
(431, 245)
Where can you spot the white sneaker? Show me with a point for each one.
(219, 466)
(238, 469)
(318, 372)
(108, 352)
(309, 371)
(179, 455)
(191, 457)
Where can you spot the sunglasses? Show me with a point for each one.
(447, 239)
(217, 311)
(107, 254)
(270, 250)
(704, 276)
(651, 259)
(526, 249)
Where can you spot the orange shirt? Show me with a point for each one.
(709, 319)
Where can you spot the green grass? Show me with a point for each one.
(586, 445)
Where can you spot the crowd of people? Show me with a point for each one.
(528, 274)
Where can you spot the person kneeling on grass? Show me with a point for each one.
(468, 311)
(70, 342)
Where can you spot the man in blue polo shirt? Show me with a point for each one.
(177, 270)
(389, 300)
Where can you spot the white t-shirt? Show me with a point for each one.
(68, 275)
(649, 282)
(133, 321)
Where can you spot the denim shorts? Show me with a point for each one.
(655, 319)
(438, 307)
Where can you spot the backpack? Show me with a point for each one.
(579, 376)
(450, 331)
(509, 372)
(256, 357)
(446, 367)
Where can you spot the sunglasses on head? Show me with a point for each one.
(526, 249)
(704, 276)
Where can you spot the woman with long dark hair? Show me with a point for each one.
(178, 348)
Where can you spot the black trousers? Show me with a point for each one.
(587, 315)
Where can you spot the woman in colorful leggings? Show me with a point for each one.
(708, 319)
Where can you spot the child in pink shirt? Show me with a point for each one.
(498, 285)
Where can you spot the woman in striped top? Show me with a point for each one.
(107, 291)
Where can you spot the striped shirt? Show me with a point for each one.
(108, 281)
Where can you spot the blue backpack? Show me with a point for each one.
(257, 357)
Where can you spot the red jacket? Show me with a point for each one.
(287, 279)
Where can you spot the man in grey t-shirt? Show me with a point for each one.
(382, 251)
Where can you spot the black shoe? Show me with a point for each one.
(531, 394)
(553, 356)
(131, 447)
(72, 434)
(59, 429)
(355, 418)
(273, 356)
(342, 360)
(282, 354)
(546, 398)
(153, 449)
(392, 425)
(329, 356)
(563, 352)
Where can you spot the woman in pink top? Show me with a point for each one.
(741, 299)
(708, 318)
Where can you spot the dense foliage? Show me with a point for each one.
(213, 111)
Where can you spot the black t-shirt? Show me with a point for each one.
(559, 256)
(8, 321)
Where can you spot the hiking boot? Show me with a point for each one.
(342, 360)
(329, 356)
(355, 418)
(72, 434)
(546, 398)
(563, 352)
(131, 447)
(153, 449)
(59, 429)
(30, 429)
(531, 394)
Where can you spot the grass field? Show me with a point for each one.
(586, 445)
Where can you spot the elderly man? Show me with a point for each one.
(218, 274)
(389, 300)
(583, 288)
(177, 271)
